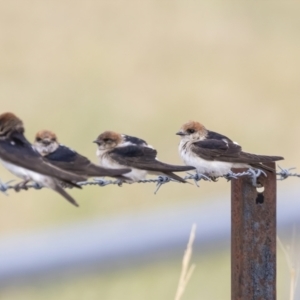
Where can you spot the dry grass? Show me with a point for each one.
(186, 270)
(292, 260)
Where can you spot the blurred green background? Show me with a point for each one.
(144, 68)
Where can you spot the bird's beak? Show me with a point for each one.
(96, 142)
(46, 142)
(180, 133)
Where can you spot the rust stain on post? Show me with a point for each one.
(253, 238)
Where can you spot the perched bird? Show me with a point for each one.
(19, 157)
(119, 150)
(214, 154)
(47, 145)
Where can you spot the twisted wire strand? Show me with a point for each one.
(161, 180)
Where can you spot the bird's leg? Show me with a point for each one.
(122, 179)
(213, 178)
(119, 182)
(102, 182)
(197, 177)
(65, 185)
(230, 175)
(21, 185)
(206, 177)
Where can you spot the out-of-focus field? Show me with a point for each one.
(158, 280)
(144, 68)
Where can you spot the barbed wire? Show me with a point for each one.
(161, 180)
(285, 173)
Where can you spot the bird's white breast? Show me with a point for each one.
(211, 168)
(28, 174)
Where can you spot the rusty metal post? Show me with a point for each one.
(253, 238)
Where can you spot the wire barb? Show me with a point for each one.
(197, 177)
(4, 187)
(162, 179)
(285, 173)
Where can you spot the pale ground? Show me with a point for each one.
(144, 68)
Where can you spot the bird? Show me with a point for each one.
(19, 157)
(117, 150)
(214, 154)
(46, 143)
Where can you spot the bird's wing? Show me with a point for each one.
(144, 158)
(221, 150)
(71, 161)
(19, 151)
(67, 159)
(227, 151)
(62, 154)
(134, 156)
(134, 140)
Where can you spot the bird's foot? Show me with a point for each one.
(213, 178)
(65, 185)
(230, 175)
(197, 177)
(119, 182)
(21, 186)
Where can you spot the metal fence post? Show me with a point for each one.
(253, 238)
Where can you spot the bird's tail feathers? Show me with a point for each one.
(71, 184)
(63, 193)
(263, 167)
(259, 158)
(175, 177)
(163, 167)
(97, 171)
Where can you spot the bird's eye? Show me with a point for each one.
(38, 139)
(107, 140)
(190, 131)
(53, 140)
